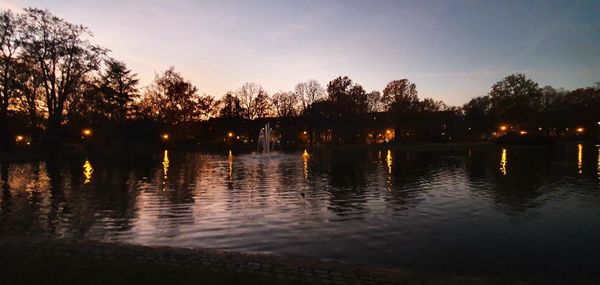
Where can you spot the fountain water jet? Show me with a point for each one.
(264, 139)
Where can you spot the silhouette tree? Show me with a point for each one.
(515, 99)
(400, 96)
(171, 98)
(262, 106)
(120, 87)
(247, 94)
(348, 98)
(431, 105)
(208, 107)
(285, 103)
(62, 55)
(308, 93)
(9, 84)
(232, 107)
(374, 103)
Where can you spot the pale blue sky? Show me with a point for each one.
(452, 50)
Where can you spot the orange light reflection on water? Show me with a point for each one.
(504, 162)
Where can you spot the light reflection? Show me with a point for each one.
(389, 161)
(580, 158)
(87, 171)
(305, 158)
(503, 162)
(598, 146)
(165, 164)
(230, 159)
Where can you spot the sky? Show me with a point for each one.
(452, 50)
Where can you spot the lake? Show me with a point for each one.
(523, 211)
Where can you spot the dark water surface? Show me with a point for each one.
(525, 211)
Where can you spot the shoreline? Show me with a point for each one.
(133, 151)
(150, 265)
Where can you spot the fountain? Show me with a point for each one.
(265, 139)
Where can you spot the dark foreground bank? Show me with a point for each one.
(50, 261)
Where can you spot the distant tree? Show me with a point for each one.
(478, 107)
(247, 94)
(314, 92)
(62, 56)
(301, 94)
(285, 103)
(582, 106)
(232, 107)
(348, 98)
(374, 103)
(171, 98)
(400, 96)
(120, 87)
(515, 99)
(208, 107)
(431, 105)
(262, 104)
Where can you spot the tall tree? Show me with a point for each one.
(262, 106)
(374, 102)
(9, 51)
(208, 107)
(62, 54)
(516, 99)
(401, 96)
(232, 108)
(347, 97)
(120, 84)
(171, 98)
(285, 103)
(246, 94)
(308, 93)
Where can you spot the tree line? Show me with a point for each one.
(52, 76)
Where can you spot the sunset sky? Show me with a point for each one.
(452, 50)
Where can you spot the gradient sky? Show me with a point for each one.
(452, 50)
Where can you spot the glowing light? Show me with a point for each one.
(87, 171)
(86, 132)
(523, 133)
(580, 130)
(19, 138)
(580, 158)
(388, 159)
(504, 162)
(230, 134)
(165, 164)
(305, 158)
(503, 128)
(165, 136)
(230, 160)
(304, 132)
(388, 132)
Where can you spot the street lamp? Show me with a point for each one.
(87, 132)
(165, 137)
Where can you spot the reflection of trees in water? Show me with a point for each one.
(415, 172)
(522, 182)
(347, 182)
